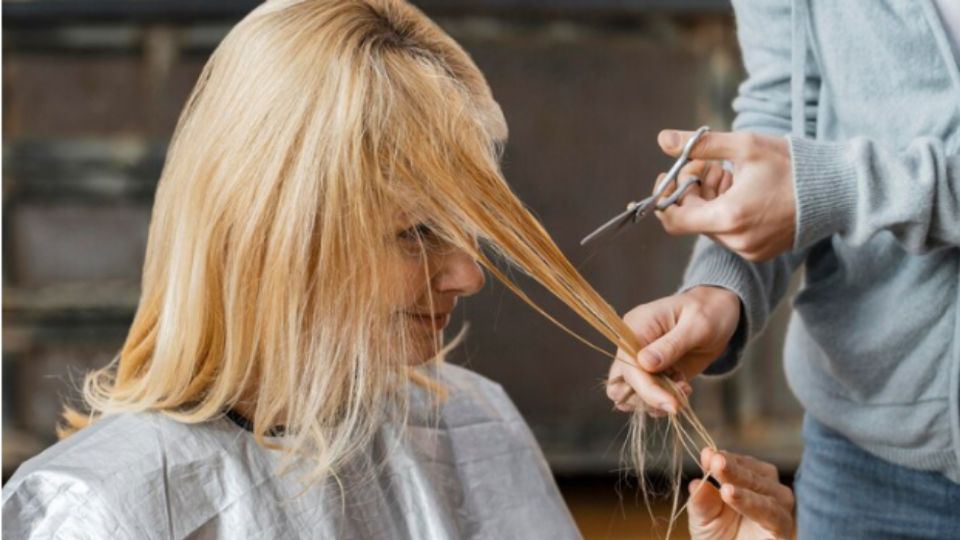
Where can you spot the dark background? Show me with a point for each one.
(91, 92)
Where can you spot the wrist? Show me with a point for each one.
(720, 297)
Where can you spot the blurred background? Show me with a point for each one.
(92, 90)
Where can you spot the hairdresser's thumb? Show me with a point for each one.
(665, 351)
(705, 509)
(671, 141)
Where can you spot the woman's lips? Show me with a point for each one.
(437, 321)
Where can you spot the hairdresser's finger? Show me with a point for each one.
(679, 381)
(712, 145)
(632, 402)
(649, 390)
(695, 168)
(766, 512)
(669, 348)
(725, 182)
(707, 218)
(629, 403)
(705, 505)
(705, 455)
(691, 196)
(710, 180)
(650, 321)
(618, 389)
(747, 472)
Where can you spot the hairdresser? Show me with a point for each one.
(844, 160)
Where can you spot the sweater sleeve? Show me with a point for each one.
(857, 188)
(763, 105)
(760, 287)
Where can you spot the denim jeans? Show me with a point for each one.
(845, 493)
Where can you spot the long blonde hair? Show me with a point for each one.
(310, 123)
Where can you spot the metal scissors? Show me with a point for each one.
(637, 210)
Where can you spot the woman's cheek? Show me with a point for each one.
(407, 281)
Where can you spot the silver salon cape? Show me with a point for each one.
(473, 472)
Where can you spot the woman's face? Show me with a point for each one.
(433, 275)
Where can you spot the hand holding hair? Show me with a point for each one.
(683, 333)
(751, 503)
(752, 211)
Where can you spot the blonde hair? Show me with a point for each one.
(312, 121)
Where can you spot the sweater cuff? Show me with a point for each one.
(714, 266)
(825, 186)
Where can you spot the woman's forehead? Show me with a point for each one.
(403, 218)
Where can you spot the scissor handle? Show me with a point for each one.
(684, 158)
(679, 193)
(638, 209)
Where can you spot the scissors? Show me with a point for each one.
(637, 210)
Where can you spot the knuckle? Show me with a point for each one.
(699, 317)
(788, 497)
(714, 177)
(755, 481)
(666, 349)
(696, 167)
(634, 317)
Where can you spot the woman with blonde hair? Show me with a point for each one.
(321, 210)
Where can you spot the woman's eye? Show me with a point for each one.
(418, 233)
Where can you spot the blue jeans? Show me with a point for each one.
(845, 493)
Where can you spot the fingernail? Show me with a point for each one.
(669, 139)
(650, 359)
(668, 407)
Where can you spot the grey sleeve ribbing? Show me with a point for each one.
(857, 188)
(760, 287)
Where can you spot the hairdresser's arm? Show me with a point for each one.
(792, 192)
(750, 504)
(714, 272)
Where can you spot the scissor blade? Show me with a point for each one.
(615, 224)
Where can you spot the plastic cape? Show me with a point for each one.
(474, 472)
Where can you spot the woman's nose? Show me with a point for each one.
(459, 274)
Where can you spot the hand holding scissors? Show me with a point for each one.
(638, 210)
(754, 216)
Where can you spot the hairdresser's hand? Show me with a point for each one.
(681, 334)
(750, 504)
(751, 212)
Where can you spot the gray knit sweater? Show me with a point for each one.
(868, 94)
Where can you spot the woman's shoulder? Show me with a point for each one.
(470, 399)
(112, 475)
(120, 446)
(466, 388)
